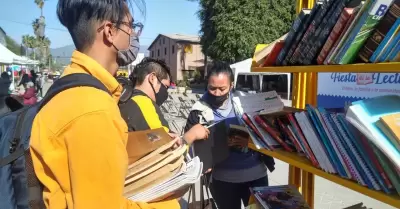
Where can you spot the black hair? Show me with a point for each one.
(147, 66)
(4, 75)
(219, 67)
(81, 17)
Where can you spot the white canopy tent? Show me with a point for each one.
(8, 57)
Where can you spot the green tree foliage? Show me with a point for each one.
(230, 29)
(13, 46)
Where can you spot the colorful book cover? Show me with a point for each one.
(376, 55)
(382, 29)
(290, 38)
(363, 115)
(389, 169)
(303, 45)
(351, 133)
(395, 52)
(301, 32)
(363, 10)
(325, 29)
(333, 36)
(278, 197)
(331, 151)
(363, 30)
(390, 47)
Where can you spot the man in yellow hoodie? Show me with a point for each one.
(78, 138)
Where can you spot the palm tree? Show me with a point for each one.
(30, 42)
(38, 26)
(40, 4)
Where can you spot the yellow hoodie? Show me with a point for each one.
(78, 145)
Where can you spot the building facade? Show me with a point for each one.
(182, 53)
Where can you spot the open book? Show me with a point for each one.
(189, 173)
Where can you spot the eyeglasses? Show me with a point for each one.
(137, 27)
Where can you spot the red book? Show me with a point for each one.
(375, 161)
(271, 58)
(272, 132)
(334, 35)
(290, 136)
(303, 140)
(248, 122)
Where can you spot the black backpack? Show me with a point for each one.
(20, 188)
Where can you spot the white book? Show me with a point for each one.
(265, 102)
(314, 142)
(182, 179)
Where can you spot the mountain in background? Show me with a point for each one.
(63, 54)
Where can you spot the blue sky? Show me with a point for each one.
(163, 16)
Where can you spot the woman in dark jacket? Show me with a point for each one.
(234, 168)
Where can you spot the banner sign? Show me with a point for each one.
(336, 89)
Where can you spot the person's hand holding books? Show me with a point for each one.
(197, 132)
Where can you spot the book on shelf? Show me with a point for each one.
(154, 161)
(338, 32)
(388, 23)
(357, 143)
(277, 197)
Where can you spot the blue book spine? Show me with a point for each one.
(364, 155)
(328, 147)
(385, 41)
(389, 49)
(395, 52)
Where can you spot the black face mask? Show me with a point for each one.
(217, 101)
(162, 94)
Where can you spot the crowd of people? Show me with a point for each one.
(78, 139)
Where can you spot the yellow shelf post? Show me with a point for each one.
(304, 92)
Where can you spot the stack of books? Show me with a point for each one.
(337, 32)
(360, 143)
(157, 166)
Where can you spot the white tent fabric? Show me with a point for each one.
(8, 57)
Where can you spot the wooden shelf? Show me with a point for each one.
(387, 67)
(304, 164)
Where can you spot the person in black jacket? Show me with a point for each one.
(234, 168)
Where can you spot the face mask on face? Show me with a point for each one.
(217, 100)
(162, 94)
(127, 56)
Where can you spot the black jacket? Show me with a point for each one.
(212, 152)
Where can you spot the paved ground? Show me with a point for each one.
(328, 195)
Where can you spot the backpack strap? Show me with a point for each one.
(127, 93)
(72, 81)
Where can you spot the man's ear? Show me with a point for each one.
(109, 32)
(232, 86)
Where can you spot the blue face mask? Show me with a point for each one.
(127, 56)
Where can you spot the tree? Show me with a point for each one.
(230, 29)
(13, 46)
(30, 42)
(40, 4)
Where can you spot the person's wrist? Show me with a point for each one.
(188, 138)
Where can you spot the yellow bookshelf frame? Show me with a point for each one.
(301, 171)
(305, 83)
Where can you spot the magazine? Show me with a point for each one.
(278, 197)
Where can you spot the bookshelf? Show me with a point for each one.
(301, 171)
(304, 164)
